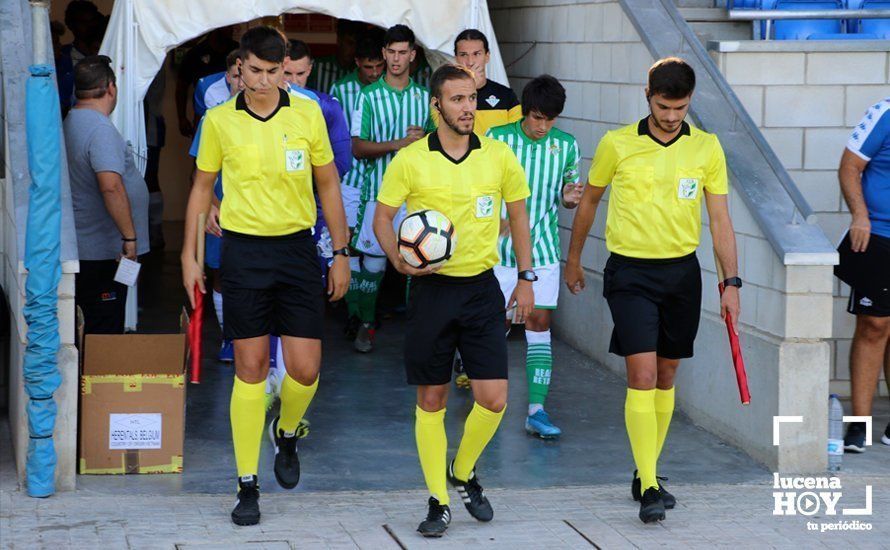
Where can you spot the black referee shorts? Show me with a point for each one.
(271, 285)
(448, 313)
(655, 304)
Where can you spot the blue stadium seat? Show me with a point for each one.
(801, 29)
(877, 27)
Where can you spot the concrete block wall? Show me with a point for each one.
(806, 102)
(595, 51)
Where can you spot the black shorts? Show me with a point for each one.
(102, 300)
(271, 285)
(448, 313)
(868, 276)
(875, 303)
(655, 304)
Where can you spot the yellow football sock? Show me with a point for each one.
(642, 430)
(247, 412)
(664, 410)
(479, 429)
(295, 399)
(432, 444)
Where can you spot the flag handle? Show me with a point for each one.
(737, 360)
(202, 222)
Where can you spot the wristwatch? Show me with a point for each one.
(733, 281)
(528, 275)
(342, 252)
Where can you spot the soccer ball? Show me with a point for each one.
(426, 238)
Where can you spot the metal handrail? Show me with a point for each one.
(736, 14)
(769, 16)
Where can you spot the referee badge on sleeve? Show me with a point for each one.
(294, 160)
(688, 189)
(484, 206)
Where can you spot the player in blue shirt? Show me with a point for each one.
(297, 68)
(213, 89)
(865, 256)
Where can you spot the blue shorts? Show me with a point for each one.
(212, 243)
(212, 249)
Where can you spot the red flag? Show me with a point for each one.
(737, 360)
(196, 321)
(196, 324)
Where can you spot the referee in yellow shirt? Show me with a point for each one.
(660, 169)
(273, 147)
(465, 177)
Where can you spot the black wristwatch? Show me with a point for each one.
(342, 252)
(733, 281)
(528, 275)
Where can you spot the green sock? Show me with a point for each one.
(353, 295)
(368, 287)
(538, 366)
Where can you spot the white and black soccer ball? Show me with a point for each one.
(426, 238)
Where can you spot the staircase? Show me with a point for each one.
(709, 21)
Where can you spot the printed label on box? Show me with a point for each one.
(134, 431)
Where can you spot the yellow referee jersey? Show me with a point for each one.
(267, 163)
(467, 190)
(655, 203)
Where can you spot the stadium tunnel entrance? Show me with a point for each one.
(362, 426)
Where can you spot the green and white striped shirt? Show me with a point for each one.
(422, 75)
(325, 71)
(381, 114)
(346, 91)
(549, 163)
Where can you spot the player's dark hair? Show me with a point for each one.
(671, 77)
(79, 7)
(92, 76)
(297, 49)
(264, 42)
(399, 33)
(369, 47)
(471, 34)
(545, 95)
(445, 73)
(232, 58)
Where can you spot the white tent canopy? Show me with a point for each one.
(141, 32)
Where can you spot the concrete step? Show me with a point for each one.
(700, 3)
(714, 24)
(699, 14)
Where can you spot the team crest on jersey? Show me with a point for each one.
(554, 149)
(492, 100)
(688, 188)
(484, 206)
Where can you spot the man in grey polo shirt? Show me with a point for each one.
(109, 196)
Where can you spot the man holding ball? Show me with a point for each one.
(460, 307)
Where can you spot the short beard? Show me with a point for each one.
(453, 126)
(658, 124)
